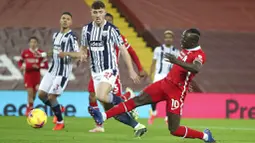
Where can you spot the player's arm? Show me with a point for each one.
(192, 67)
(154, 60)
(133, 54)
(126, 57)
(136, 60)
(76, 50)
(21, 63)
(84, 44)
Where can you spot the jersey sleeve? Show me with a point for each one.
(75, 45)
(156, 53)
(21, 61)
(84, 40)
(117, 39)
(200, 57)
(127, 45)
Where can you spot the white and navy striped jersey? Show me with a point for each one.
(163, 67)
(63, 42)
(100, 43)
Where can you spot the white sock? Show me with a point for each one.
(137, 126)
(60, 122)
(104, 116)
(110, 98)
(205, 137)
(154, 113)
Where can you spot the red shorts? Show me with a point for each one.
(164, 90)
(117, 89)
(32, 81)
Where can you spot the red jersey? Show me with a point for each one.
(180, 76)
(28, 59)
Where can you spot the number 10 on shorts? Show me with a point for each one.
(175, 104)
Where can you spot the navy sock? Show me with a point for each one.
(116, 99)
(57, 112)
(126, 119)
(46, 101)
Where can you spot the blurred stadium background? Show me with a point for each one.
(227, 81)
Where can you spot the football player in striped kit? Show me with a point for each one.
(54, 82)
(99, 39)
(159, 67)
(118, 86)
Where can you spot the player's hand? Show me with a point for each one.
(134, 77)
(84, 57)
(143, 74)
(170, 58)
(35, 66)
(22, 68)
(62, 54)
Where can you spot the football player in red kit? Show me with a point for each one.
(30, 65)
(171, 89)
(118, 86)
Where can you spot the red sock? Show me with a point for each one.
(126, 96)
(186, 132)
(30, 105)
(121, 108)
(93, 104)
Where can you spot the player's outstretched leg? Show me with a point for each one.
(43, 96)
(56, 108)
(123, 107)
(130, 94)
(186, 132)
(153, 113)
(93, 104)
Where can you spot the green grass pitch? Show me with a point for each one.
(16, 130)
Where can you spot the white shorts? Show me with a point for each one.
(53, 84)
(158, 77)
(108, 76)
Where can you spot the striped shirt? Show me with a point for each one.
(163, 67)
(63, 42)
(101, 41)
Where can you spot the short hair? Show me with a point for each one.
(67, 13)
(110, 15)
(194, 30)
(169, 32)
(97, 5)
(33, 38)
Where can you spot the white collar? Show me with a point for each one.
(164, 45)
(194, 49)
(33, 51)
(66, 32)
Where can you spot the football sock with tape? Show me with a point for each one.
(126, 119)
(186, 132)
(116, 99)
(57, 112)
(45, 101)
(121, 108)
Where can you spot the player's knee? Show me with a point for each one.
(142, 99)
(42, 94)
(172, 129)
(52, 97)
